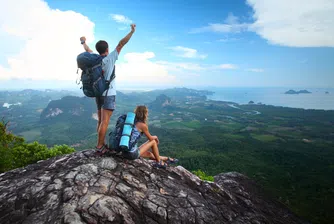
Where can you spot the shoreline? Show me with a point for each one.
(317, 100)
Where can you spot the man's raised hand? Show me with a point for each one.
(85, 46)
(82, 39)
(133, 27)
(126, 38)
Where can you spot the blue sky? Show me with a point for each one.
(205, 43)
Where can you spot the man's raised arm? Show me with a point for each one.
(126, 38)
(85, 46)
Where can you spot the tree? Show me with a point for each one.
(15, 152)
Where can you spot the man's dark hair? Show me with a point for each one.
(101, 46)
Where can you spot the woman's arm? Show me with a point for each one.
(144, 128)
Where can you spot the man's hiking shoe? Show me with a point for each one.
(101, 151)
(160, 165)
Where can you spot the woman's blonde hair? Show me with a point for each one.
(141, 113)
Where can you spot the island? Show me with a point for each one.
(297, 92)
(326, 92)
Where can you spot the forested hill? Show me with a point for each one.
(286, 150)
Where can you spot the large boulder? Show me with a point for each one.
(84, 188)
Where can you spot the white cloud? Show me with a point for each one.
(139, 68)
(227, 66)
(185, 52)
(296, 23)
(255, 70)
(228, 39)
(231, 25)
(121, 19)
(194, 67)
(181, 67)
(50, 40)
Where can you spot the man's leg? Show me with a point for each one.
(99, 102)
(98, 121)
(105, 118)
(106, 112)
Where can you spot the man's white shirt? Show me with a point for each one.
(108, 64)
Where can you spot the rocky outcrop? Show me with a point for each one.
(67, 107)
(84, 188)
(162, 101)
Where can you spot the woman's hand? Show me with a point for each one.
(144, 128)
(156, 139)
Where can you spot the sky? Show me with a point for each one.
(220, 43)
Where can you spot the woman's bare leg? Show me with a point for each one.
(144, 143)
(164, 158)
(149, 155)
(147, 146)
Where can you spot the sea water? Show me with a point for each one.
(317, 99)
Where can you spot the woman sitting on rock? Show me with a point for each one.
(150, 148)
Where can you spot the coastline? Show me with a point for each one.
(317, 100)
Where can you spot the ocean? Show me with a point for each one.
(317, 99)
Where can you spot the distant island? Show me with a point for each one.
(297, 92)
(326, 92)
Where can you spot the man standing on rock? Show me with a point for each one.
(106, 103)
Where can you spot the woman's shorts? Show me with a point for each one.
(133, 154)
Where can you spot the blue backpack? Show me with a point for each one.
(125, 135)
(93, 81)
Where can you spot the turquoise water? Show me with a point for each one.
(318, 99)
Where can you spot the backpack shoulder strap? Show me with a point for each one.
(113, 72)
(113, 75)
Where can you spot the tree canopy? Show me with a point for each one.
(15, 152)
